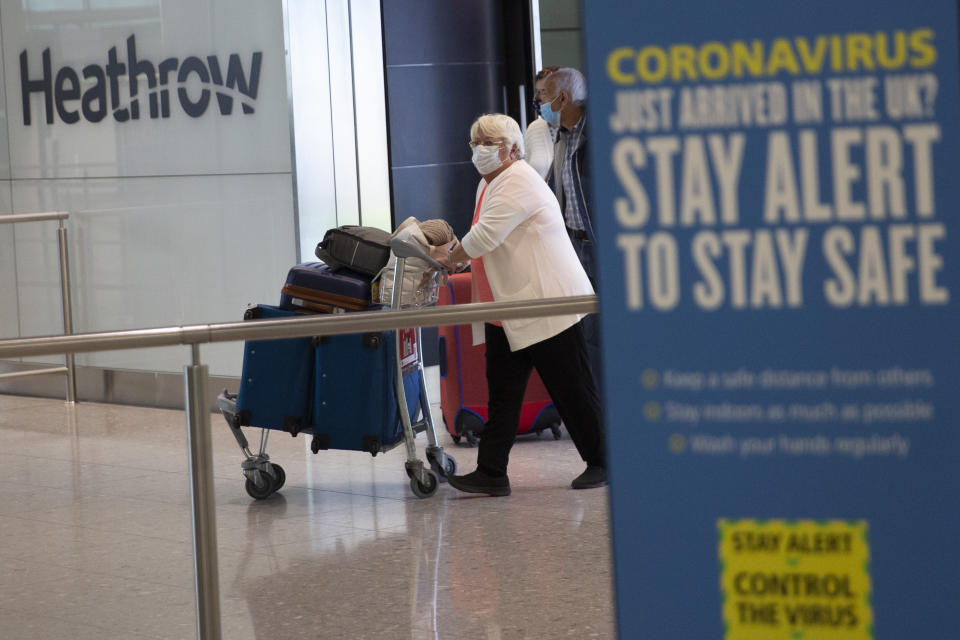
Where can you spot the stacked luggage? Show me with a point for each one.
(350, 392)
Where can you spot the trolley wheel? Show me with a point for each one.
(472, 439)
(450, 468)
(279, 477)
(447, 469)
(557, 433)
(263, 490)
(425, 490)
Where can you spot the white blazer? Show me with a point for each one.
(538, 146)
(520, 235)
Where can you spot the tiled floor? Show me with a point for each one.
(95, 539)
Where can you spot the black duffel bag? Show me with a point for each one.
(362, 249)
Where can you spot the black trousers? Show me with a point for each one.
(564, 367)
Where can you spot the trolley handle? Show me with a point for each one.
(405, 249)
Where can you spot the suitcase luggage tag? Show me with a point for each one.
(408, 351)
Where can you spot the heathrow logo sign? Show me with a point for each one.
(117, 88)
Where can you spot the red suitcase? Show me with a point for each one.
(463, 380)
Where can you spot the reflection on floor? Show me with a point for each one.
(96, 538)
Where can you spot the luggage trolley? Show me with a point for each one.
(264, 477)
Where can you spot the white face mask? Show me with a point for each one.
(486, 158)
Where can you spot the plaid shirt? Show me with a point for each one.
(573, 140)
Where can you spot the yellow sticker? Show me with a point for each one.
(795, 579)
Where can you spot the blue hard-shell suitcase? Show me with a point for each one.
(315, 286)
(277, 379)
(339, 388)
(354, 399)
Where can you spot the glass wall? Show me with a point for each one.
(560, 33)
(168, 130)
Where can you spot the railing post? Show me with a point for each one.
(67, 309)
(206, 575)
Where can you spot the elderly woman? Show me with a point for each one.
(519, 250)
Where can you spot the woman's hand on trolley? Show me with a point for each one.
(451, 255)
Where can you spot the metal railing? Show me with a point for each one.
(206, 575)
(65, 300)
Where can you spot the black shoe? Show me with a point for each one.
(592, 478)
(479, 482)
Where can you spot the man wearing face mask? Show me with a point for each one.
(564, 106)
(520, 251)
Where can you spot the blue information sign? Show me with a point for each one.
(774, 186)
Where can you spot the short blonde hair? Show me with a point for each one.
(497, 126)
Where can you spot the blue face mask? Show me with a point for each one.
(547, 113)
